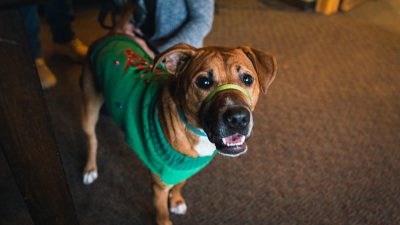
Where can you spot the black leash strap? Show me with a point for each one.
(108, 7)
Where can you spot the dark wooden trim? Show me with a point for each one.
(26, 135)
(304, 5)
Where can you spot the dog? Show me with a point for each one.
(177, 111)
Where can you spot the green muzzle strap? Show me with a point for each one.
(209, 98)
(228, 87)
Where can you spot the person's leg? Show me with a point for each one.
(32, 29)
(59, 16)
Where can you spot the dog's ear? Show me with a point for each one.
(174, 57)
(264, 64)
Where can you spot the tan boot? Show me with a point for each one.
(75, 50)
(47, 77)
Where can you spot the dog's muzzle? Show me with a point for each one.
(227, 119)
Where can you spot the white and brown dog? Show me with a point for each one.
(191, 104)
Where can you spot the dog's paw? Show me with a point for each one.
(90, 177)
(181, 209)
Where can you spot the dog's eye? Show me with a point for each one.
(204, 82)
(247, 79)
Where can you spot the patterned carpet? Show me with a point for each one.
(326, 144)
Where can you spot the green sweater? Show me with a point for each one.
(123, 73)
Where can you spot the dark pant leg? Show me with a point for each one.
(32, 28)
(59, 16)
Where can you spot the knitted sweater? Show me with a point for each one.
(131, 90)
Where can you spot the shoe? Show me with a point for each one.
(75, 50)
(47, 77)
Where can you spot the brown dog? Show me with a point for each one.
(205, 101)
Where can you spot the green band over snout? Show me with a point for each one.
(227, 87)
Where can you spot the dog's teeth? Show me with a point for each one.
(242, 139)
(233, 141)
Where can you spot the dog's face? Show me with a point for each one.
(225, 114)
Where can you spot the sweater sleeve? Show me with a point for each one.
(196, 27)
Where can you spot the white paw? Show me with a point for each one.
(90, 177)
(180, 209)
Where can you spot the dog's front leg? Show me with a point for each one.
(178, 205)
(160, 198)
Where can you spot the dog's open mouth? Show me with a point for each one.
(233, 145)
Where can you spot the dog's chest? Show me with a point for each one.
(205, 147)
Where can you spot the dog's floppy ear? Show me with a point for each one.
(264, 64)
(174, 57)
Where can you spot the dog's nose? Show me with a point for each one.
(237, 118)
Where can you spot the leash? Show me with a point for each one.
(108, 7)
(112, 8)
(209, 97)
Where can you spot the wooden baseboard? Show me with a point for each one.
(327, 7)
(346, 5)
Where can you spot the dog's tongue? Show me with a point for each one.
(236, 139)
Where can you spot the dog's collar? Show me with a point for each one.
(227, 87)
(190, 127)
